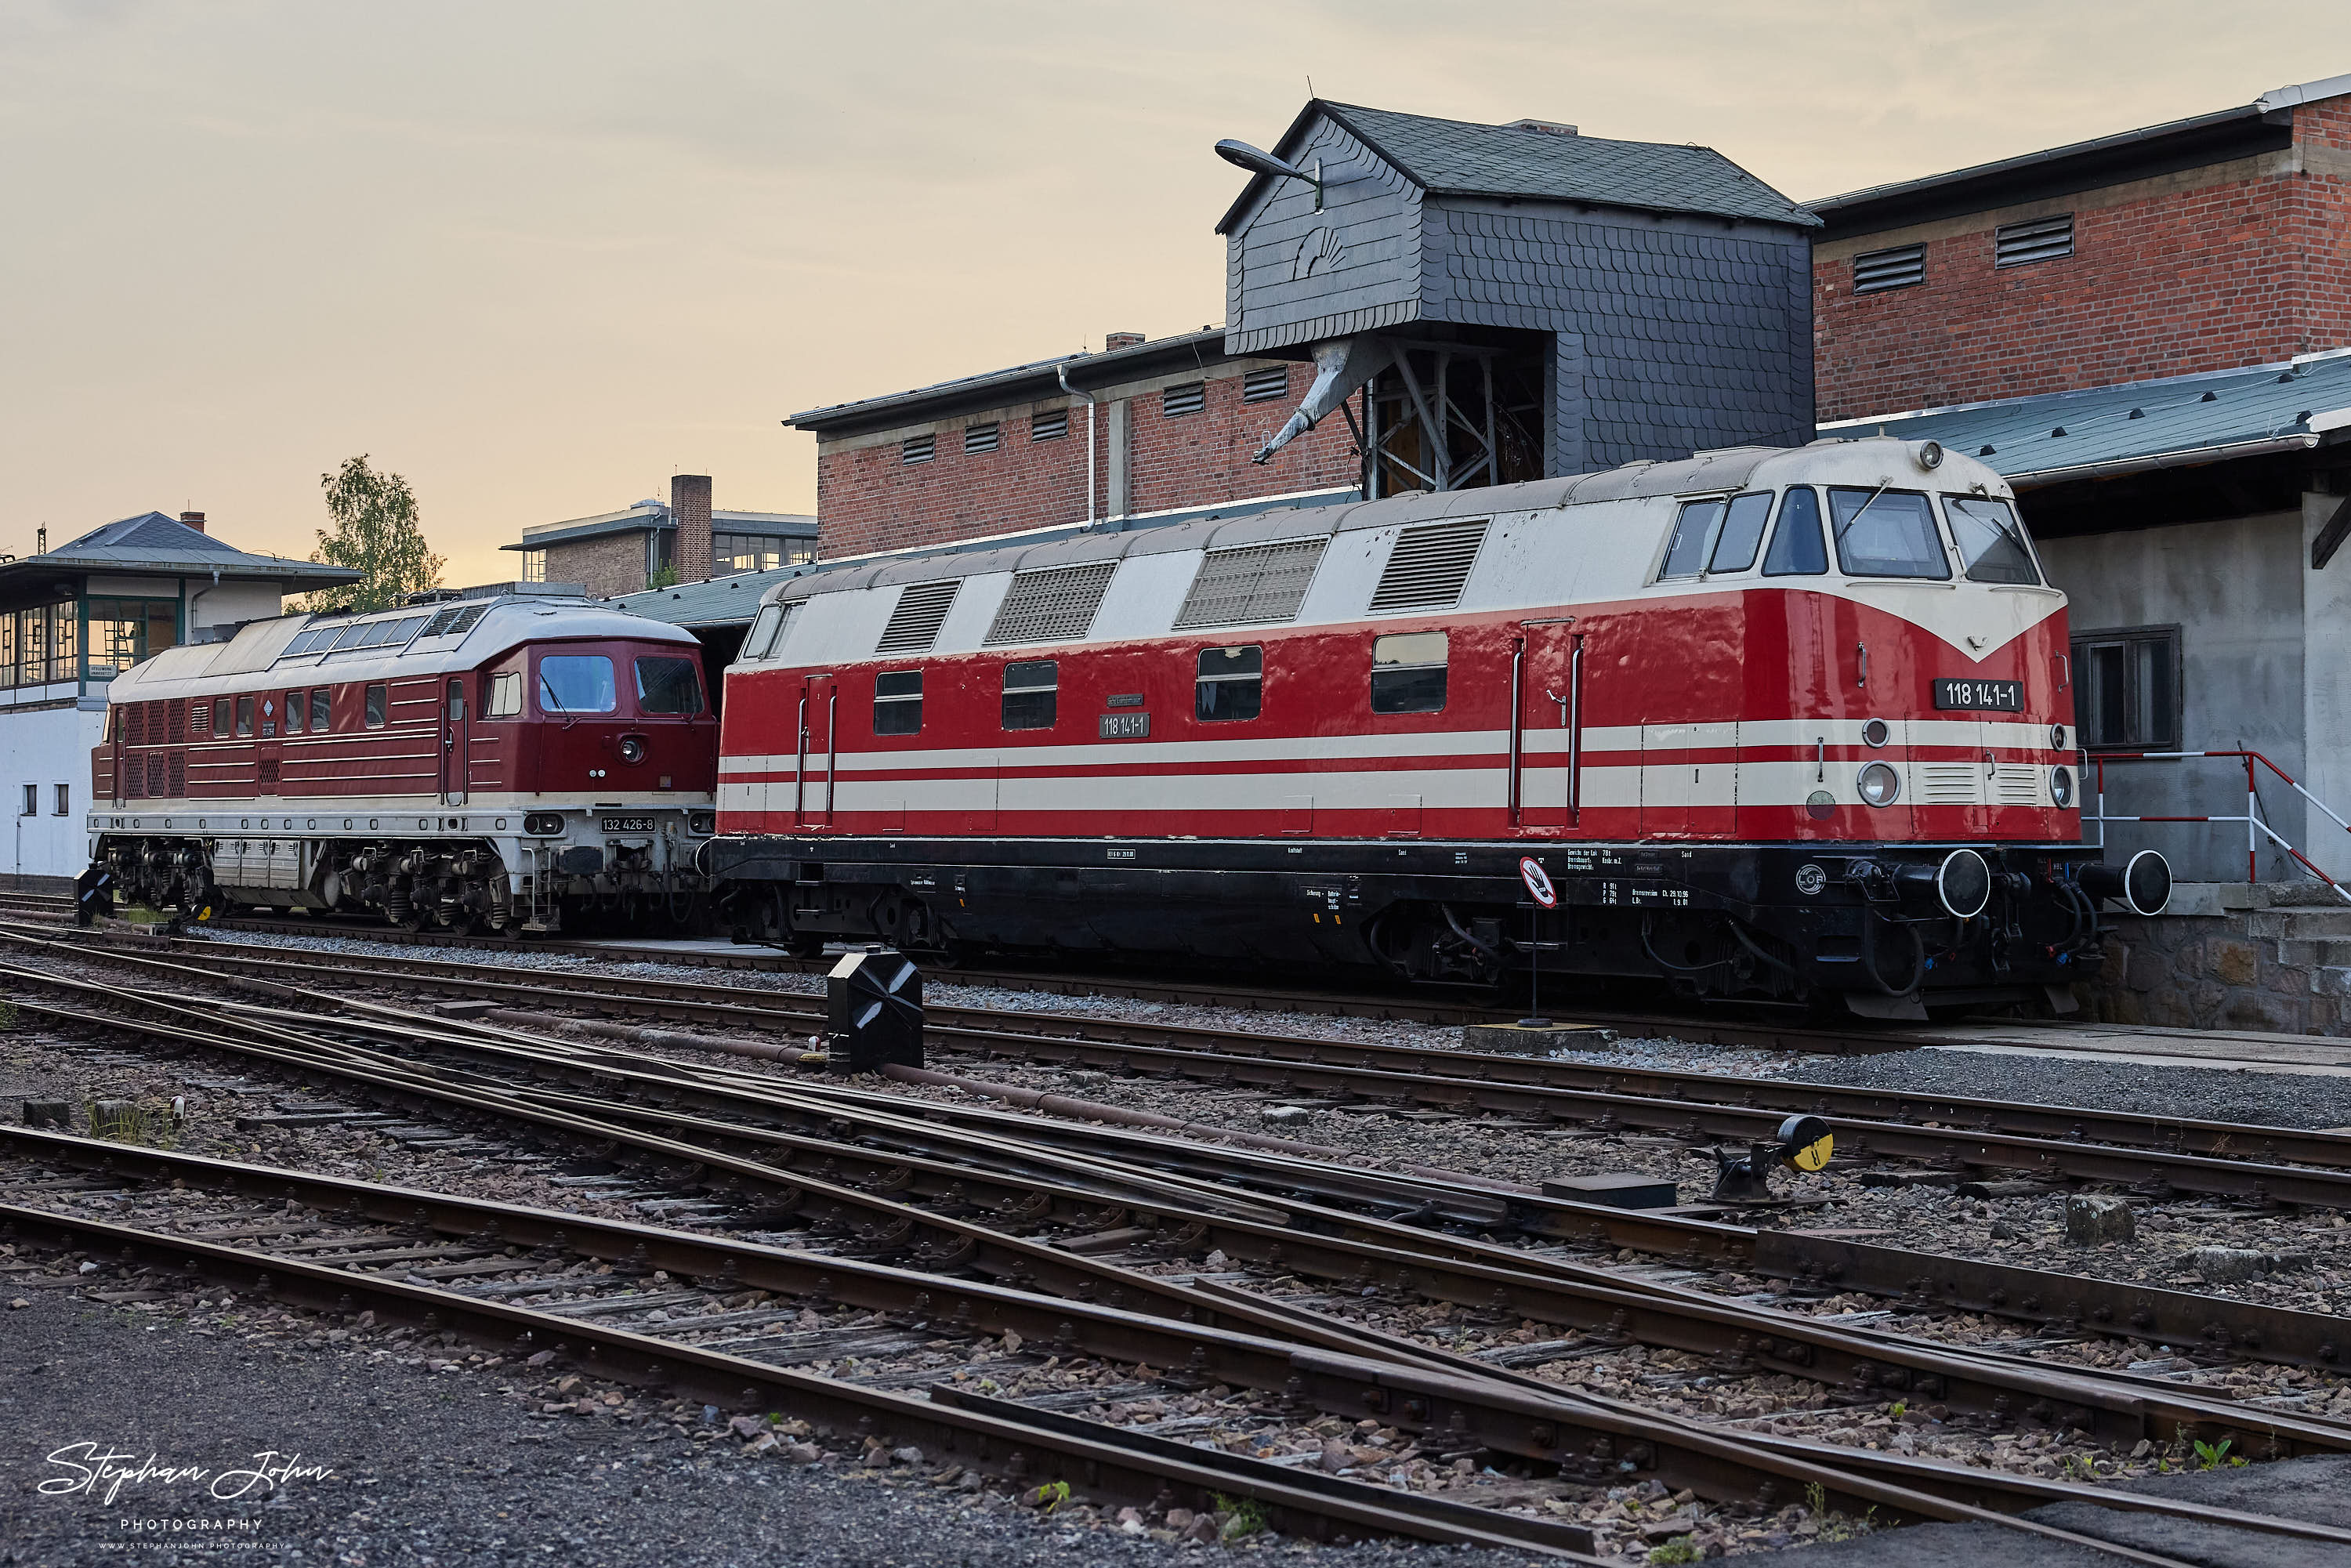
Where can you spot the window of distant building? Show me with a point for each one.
(534, 566)
(731, 553)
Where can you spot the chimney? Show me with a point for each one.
(689, 507)
(1112, 342)
(193, 519)
(1547, 127)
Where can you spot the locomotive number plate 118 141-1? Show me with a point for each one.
(624, 824)
(1996, 696)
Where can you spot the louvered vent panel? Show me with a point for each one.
(176, 779)
(2042, 239)
(1053, 605)
(915, 619)
(134, 724)
(1050, 425)
(1950, 784)
(155, 779)
(1898, 267)
(1265, 386)
(1189, 398)
(1428, 566)
(1254, 585)
(2016, 784)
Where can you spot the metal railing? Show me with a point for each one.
(2255, 828)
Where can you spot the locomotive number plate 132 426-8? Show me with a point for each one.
(1996, 696)
(625, 824)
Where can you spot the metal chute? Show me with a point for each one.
(1341, 366)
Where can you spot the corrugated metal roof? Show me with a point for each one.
(1457, 157)
(2044, 440)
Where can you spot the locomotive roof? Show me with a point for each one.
(1861, 460)
(445, 638)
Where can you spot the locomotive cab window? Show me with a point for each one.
(762, 635)
(1886, 533)
(376, 707)
(575, 683)
(1991, 540)
(898, 702)
(1230, 685)
(1031, 694)
(1694, 530)
(1741, 532)
(668, 687)
(506, 695)
(1408, 672)
(322, 709)
(1796, 548)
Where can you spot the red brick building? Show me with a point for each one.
(1143, 426)
(2207, 244)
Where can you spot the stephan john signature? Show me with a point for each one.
(94, 1468)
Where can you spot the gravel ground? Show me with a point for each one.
(474, 1476)
(2269, 1099)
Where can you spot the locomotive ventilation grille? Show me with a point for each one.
(915, 619)
(1429, 566)
(1950, 784)
(1054, 604)
(1255, 585)
(2016, 784)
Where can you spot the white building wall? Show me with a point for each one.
(226, 603)
(2327, 690)
(47, 748)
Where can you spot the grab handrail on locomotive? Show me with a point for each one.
(516, 758)
(1786, 724)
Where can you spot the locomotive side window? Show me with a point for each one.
(1408, 671)
(506, 693)
(220, 717)
(668, 687)
(898, 703)
(243, 716)
(1230, 685)
(575, 683)
(1031, 694)
(762, 635)
(1796, 548)
(1693, 531)
(1990, 540)
(294, 710)
(322, 709)
(1742, 532)
(1886, 533)
(375, 707)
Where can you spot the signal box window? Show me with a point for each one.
(2127, 688)
(575, 683)
(375, 707)
(668, 687)
(322, 709)
(1030, 693)
(32, 801)
(1796, 548)
(1990, 540)
(898, 703)
(1408, 672)
(1231, 684)
(220, 717)
(1886, 533)
(65, 800)
(295, 710)
(506, 695)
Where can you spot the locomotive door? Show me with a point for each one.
(812, 774)
(1547, 750)
(116, 717)
(455, 730)
(268, 750)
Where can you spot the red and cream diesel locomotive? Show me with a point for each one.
(495, 760)
(1785, 724)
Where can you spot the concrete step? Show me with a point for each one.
(2304, 925)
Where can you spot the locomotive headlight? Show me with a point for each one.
(2061, 786)
(632, 748)
(1931, 456)
(702, 824)
(1879, 785)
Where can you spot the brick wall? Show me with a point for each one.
(870, 498)
(609, 564)
(2235, 264)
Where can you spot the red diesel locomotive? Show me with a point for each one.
(1778, 724)
(498, 760)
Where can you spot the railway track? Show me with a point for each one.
(738, 1132)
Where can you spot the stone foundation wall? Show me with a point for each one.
(2266, 957)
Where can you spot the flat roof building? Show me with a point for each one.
(652, 543)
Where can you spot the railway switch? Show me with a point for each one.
(873, 1011)
(1802, 1142)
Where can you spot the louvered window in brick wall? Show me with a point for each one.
(1189, 398)
(2041, 239)
(1898, 266)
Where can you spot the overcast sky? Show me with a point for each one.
(540, 256)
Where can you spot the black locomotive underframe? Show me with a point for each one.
(1714, 919)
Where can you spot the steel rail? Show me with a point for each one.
(1528, 1417)
(1018, 1449)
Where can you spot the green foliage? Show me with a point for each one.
(2210, 1455)
(1899, 1409)
(373, 528)
(2079, 1469)
(1837, 1526)
(665, 577)
(1248, 1514)
(1681, 1549)
(1050, 1496)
